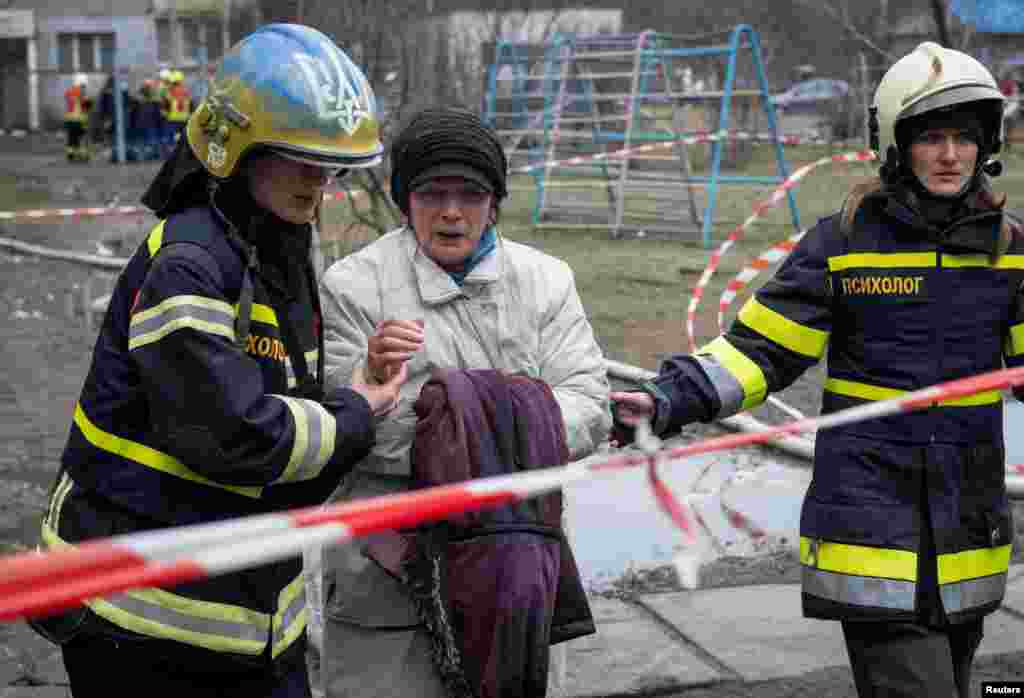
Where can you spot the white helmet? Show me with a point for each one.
(80, 80)
(929, 79)
(165, 74)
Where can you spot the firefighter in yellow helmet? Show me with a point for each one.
(905, 532)
(205, 399)
(76, 118)
(177, 107)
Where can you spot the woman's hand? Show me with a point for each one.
(634, 407)
(382, 396)
(629, 410)
(392, 346)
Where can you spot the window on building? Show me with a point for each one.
(66, 53)
(85, 53)
(106, 42)
(214, 38)
(193, 33)
(191, 38)
(164, 41)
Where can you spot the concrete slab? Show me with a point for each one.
(630, 653)
(757, 630)
(1004, 632)
(1015, 589)
(35, 692)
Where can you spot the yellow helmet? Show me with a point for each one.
(929, 79)
(290, 89)
(176, 76)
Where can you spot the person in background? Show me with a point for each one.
(108, 117)
(205, 399)
(905, 531)
(177, 106)
(147, 124)
(445, 290)
(76, 118)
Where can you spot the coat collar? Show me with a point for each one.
(434, 283)
(974, 229)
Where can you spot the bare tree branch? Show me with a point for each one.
(941, 21)
(847, 24)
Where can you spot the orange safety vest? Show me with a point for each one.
(179, 103)
(74, 100)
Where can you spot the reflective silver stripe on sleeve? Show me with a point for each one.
(291, 617)
(137, 613)
(729, 390)
(313, 445)
(972, 593)
(853, 590)
(312, 359)
(195, 312)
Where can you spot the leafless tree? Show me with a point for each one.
(940, 11)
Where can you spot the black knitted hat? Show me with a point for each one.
(446, 142)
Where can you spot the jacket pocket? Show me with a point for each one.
(371, 598)
(999, 527)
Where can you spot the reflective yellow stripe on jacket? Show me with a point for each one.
(787, 333)
(216, 626)
(859, 575)
(148, 456)
(883, 578)
(315, 428)
(865, 391)
(973, 578)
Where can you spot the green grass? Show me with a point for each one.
(14, 198)
(636, 291)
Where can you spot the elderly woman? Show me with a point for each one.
(443, 290)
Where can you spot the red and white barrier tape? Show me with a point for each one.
(774, 254)
(95, 211)
(759, 210)
(33, 584)
(701, 137)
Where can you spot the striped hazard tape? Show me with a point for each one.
(698, 138)
(760, 209)
(41, 583)
(98, 211)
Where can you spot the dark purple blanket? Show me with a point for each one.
(508, 577)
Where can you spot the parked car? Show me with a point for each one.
(811, 95)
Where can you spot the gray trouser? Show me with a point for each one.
(907, 660)
(373, 641)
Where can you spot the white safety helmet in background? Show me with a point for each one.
(80, 80)
(932, 79)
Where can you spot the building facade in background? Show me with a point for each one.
(44, 43)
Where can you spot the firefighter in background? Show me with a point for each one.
(905, 530)
(147, 123)
(76, 118)
(177, 107)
